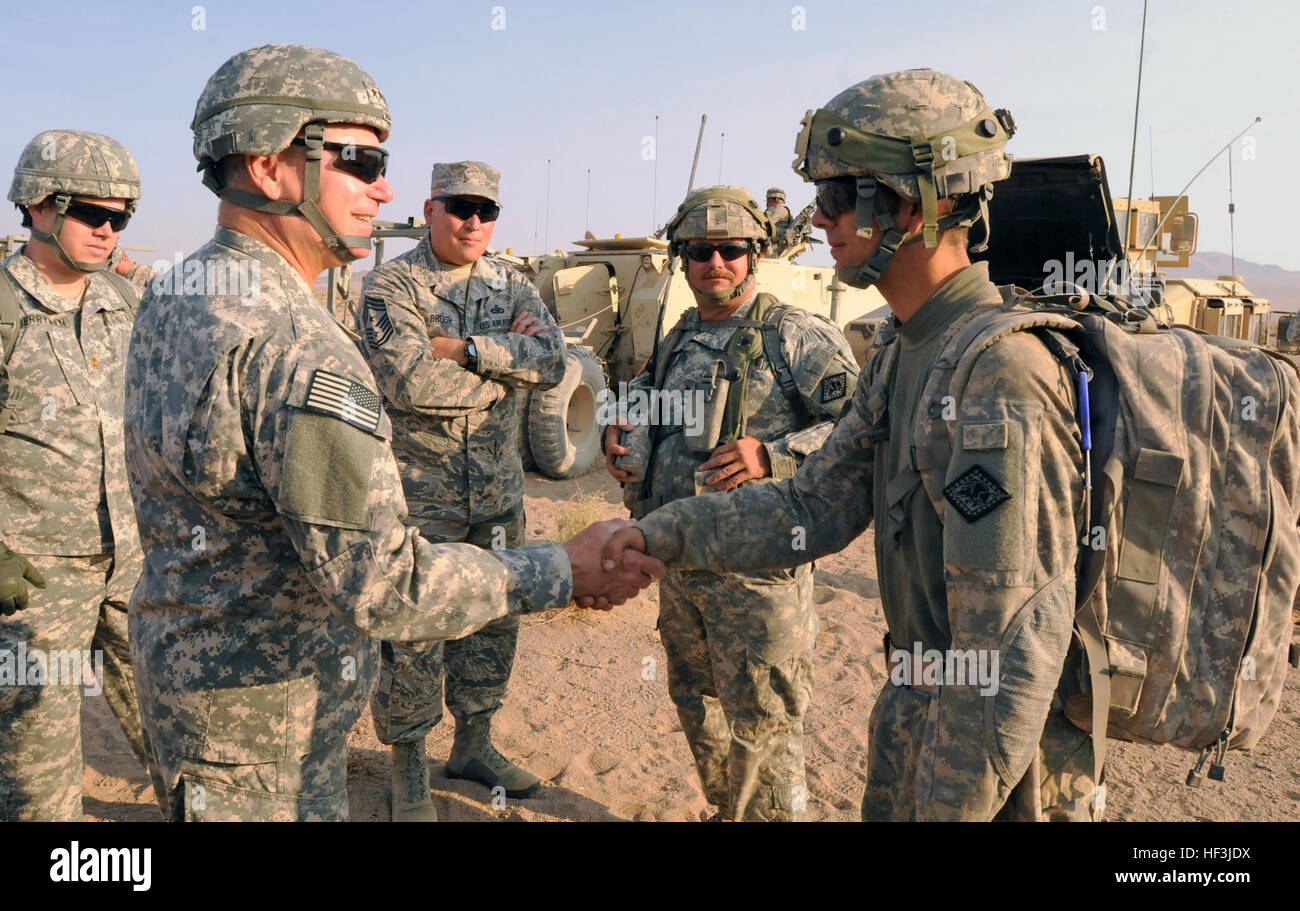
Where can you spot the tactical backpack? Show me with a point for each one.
(1189, 564)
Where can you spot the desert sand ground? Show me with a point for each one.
(582, 714)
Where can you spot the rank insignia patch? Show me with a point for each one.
(379, 328)
(342, 398)
(975, 494)
(834, 387)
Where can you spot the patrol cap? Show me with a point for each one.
(465, 178)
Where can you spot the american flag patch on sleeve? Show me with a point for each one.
(342, 398)
(379, 328)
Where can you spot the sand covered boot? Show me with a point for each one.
(411, 800)
(473, 757)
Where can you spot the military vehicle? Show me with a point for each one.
(1054, 227)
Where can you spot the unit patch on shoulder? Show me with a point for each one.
(834, 387)
(342, 398)
(975, 494)
(379, 328)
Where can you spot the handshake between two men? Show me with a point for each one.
(609, 564)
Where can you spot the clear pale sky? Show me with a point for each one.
(580, 83)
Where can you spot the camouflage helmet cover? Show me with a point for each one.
(719, 212)
(901, 127)
(77, 163)
(776, 193)
(259, 100)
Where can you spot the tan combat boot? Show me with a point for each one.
(473, 757)
(411, 800)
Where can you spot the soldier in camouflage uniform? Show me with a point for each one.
(452, 339)
(65, 505)
(778, 213)
(975, 551)
(739, 645)
(268, 498)
(137, 274)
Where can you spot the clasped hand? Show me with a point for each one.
(609, 563)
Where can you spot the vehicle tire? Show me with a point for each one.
(525, 447)
(562, 424)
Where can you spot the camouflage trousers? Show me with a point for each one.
(408, 702)
(82, 609)
(739, 652)
(1057, 786)
(311, 788)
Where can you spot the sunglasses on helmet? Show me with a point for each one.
(365, 163)
(702, 253)
(465, 208)
(93, 216)
(837, 195)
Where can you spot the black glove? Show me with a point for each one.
(15, 573)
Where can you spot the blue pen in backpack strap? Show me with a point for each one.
(1085, 430)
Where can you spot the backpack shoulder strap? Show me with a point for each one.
(772, 314)
(666, 348)
(127, 291)
(10, 316)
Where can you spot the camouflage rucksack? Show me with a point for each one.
(1190, 564)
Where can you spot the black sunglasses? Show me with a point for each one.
(465, 209)
(837, 195)
(365, 163)
(93, 216)
(702, 253)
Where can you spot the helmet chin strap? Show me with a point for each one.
(61, 201)
(971, 212)
(314, 137)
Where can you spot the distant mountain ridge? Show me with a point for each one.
(1281, 287)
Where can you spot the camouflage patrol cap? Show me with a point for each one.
(717, 212)
(776, 193)
(260, 99)
(904, 128)
(77, 163)
(465, 178)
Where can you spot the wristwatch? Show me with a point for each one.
(471, 355)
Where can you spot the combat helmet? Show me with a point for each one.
(924, 134)
(260, 100)
(721, 212)
(776, 193)
(68, 163)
